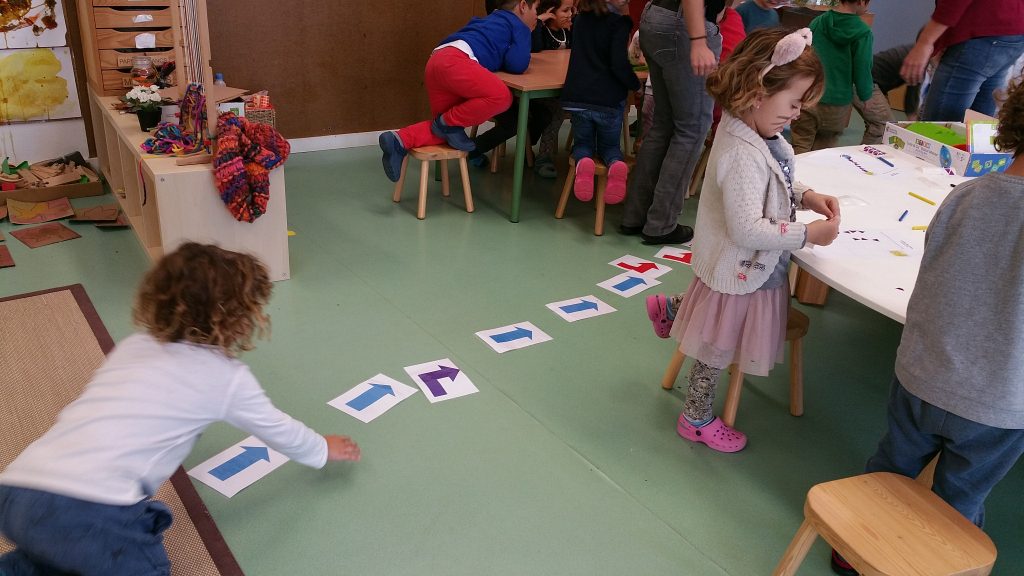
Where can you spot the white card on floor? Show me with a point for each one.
(238, 467)
(579, 308)
(441, 380)
(373, 397)
(675, 255)
(629, 284)
(640, 266)
(513, 337)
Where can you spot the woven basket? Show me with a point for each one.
(261, 115)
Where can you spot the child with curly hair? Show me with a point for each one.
(79, 499)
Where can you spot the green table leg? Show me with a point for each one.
(520, 159)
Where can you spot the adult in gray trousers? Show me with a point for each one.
(681, 42)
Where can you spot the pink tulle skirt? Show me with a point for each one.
(722, 329)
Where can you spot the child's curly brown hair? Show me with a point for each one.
(1010, 137)
(737, 83)
(205, 295)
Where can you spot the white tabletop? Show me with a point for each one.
(876, 257)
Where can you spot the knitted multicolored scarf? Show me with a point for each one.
(244, 154)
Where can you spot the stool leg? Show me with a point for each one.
(421, 210)
(732, 397)
(796, 377)
(797, 550)
(564, 199)
(401, 180)
(602, 182)
(495, 155)
(444, 178)
(464, 168)
(672, 372)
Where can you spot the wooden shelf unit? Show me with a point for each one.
(112, 34)
(168, 204)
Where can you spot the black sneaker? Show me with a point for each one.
(841, 566)
(681, 235)
(394, 154)
(455, 136)
(630, 230)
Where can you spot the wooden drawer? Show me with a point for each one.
(107, 39)
(132, 3)
(132, 17)
(111, 59)
(116, 81)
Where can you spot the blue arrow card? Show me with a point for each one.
(579, 308)
(373, 397)
(238, 467)
(513, 337)
(629, 284)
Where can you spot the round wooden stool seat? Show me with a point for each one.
(438, 152)
(796, 325)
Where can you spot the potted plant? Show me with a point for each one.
(146, 103)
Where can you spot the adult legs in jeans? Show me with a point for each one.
(967, 76)
(875, 112)
(56, 534)
(682, 117)
(973, 457)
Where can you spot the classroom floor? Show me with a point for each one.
(566, 462)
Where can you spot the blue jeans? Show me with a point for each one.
(60, 535)
(596, 132)
(967, 76)
(973, 457)
(682, 118)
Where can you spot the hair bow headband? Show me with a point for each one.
(789, 48)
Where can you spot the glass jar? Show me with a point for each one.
(143, 73)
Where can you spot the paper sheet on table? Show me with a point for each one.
(871, 244)
(846, 162)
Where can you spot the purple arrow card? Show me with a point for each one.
(513, 337)
(441, 380)
(238, 467)
(579, 308)
(373, 397)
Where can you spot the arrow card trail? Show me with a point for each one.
(579, 308)
(675, 255)
(640, 266)
(373, 397)
(513, 337)
(441, 380)
(629, 284)
(238, 467)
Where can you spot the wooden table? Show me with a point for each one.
(543, 79)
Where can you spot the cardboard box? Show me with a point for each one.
(53, 192)
(952, 159)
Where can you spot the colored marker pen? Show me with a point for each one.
(891, 165)
(904, 215)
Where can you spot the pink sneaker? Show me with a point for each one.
(615, 190)
(715, 434)
(657, 311)
(583, 187)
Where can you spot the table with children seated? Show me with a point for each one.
(876, 258)
(543, 79)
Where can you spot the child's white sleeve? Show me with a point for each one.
(249, 409)
(743, 178)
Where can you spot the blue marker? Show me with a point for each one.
(890, 164)
(904, 215)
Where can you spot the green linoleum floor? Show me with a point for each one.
(566, 462)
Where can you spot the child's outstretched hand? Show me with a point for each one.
(341, 448)
(827, 206)
(822, 232)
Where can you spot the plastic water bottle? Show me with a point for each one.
(218, 79)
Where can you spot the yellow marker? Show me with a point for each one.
(897, 253)
(922, 198)
(291, 233)
(918, 227)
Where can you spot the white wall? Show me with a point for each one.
(35, 141)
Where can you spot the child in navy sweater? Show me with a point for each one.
(599, 78)
(461, 84)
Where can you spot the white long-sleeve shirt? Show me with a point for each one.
(139, 417)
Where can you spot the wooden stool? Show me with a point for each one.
(443, 154)
(796, 329)
(884, 523)
(601, 172)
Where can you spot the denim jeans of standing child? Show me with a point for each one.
(57, 534)
(973, 457)
(596, 135)
(967, 76)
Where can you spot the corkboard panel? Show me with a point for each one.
(334, 67)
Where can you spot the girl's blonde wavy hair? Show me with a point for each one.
(204, 294)
(737, 83)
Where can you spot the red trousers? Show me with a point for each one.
(466, 93)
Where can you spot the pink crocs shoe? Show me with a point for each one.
(657, 311)
(615, 190)
(583, 186)
(715, 434)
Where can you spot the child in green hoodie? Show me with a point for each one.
(844, 45)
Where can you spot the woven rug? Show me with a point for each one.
(50, 344)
